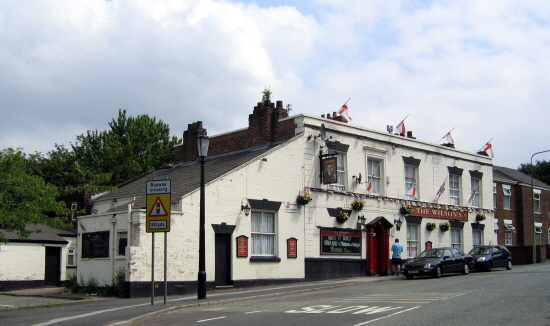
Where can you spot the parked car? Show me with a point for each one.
(438, 261)
(489, 257)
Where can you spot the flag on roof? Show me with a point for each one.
(344, 109)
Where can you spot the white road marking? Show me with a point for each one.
(253, 312)
(202, 321)
(377, 319)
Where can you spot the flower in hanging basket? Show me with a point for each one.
(342, 217)
(445, 226)
(406, 209)
(480, 217)
(358, 204)
(431, 226)
(303, 200)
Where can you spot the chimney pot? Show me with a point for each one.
(322, 116)
(279, 104)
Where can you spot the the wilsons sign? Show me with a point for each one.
(441, 213)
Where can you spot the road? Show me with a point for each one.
(516, 297)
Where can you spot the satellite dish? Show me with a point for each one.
(323, 132)
(359, 179)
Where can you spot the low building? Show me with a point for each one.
(46, 258)
(289, 199)
(522, 208)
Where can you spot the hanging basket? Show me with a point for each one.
(342, 217)
(406, 210)
(480, 217)
(358, 205)
(445, 226)
(431, 226)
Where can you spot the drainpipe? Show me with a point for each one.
(113, 247)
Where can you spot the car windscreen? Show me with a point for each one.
(431, 253)
(480, 251)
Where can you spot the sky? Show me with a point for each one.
(478, 68)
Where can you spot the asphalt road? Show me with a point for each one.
(517, 297)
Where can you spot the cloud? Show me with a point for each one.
(478, 67)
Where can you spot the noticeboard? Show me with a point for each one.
(340, 242)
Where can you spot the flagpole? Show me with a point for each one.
(445, 135)
(487, 143)
(405, 117)
(346, 102)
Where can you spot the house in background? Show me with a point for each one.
(43, 259)
(522, 214)
(290, 199)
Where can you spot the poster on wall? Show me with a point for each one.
(340, 242)
(330, 174)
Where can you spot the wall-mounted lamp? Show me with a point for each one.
(361, 221)
(264, 159)
(246, 209)
(398, 224)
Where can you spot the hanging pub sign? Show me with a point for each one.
(340, 242)
(292, 248)
(330, 174)
(242, 246)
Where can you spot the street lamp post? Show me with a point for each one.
(202, 143)
(533, 202)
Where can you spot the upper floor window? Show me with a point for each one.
(374, 176)
(411, 184)
(454, 189)
(507, 199)
(122, 243)
(494, 195)
(475, 198)
(536, 200)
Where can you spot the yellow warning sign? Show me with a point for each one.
(158, 206)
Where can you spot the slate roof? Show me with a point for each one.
(514, 176)
(48, 235)
(185, 178)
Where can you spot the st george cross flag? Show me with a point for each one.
(369, 186)
(440, 191)
(401, 128)
(344, 109)
(471, 197)
(412, 190)
(449, 138)
(488, 147)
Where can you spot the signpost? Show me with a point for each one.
(158, 220)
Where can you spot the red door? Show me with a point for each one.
(375, 253)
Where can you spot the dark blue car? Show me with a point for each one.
(437, 261)
(488, 257)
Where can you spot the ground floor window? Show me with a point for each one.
(263, 233)
(456, 238)
(508, 237)
(412, 240)
(70, 258)
(538, 235)
(477, 237)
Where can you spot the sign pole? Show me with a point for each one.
(152, 269)
(165, 266)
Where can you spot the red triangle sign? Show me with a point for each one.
(158, 209)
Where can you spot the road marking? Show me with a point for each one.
(377, 319)
(202, 321)
(253, 312)
(403, 298)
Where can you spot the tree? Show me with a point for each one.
(131, 147)
(540, 170)
(26, 199)
(266, 94)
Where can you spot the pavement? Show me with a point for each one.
(48, 297)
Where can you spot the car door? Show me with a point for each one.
(448, 262)
(459, 259)
(497, 257)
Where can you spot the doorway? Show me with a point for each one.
(223, 260)
(52, 275)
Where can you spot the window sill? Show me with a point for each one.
(261, 259)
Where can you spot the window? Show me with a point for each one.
(70, 258)
(122, 243)
(340, 171)
(508, 232)
(411, 182)
(374, 175)
(412, 240)
(456, 238)
(454, 189)
(495, 226)
(475, 198)
(536, 201)
(477, 237)
(263, 233)
(507, 191)
(494, 195)
(538, 234)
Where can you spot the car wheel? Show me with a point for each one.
(509, 265)
(489, 267)
(466, 269)
(437, 272)
(408, 276)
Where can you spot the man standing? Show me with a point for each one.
(396, 249)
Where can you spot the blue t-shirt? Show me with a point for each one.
(397, 249)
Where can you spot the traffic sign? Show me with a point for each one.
(158, 206)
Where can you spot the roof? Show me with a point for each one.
(515, 176)
(185, 178)
(48, 234)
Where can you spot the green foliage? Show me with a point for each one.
(266, 94)
(133, 146)
(540, 170)
(91, 286)
(26, 199)
(72, 284)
